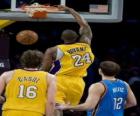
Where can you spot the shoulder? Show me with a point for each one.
(51, 49)
(7, 73)
(127, 85)
(97, 87)
(6, 76)
(123, 82)
(51, 52)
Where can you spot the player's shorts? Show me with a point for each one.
(20, 113)
(69, 89)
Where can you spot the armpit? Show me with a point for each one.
(59, 54)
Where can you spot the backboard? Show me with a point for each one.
(104, 11)
(16, 4)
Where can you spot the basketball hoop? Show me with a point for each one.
(37, 10)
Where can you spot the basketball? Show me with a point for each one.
(27, 37)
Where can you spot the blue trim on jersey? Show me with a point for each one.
(56, 67)
(97, 106)
(113, 101)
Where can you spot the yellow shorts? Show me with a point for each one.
(69, 89)
(20, 113)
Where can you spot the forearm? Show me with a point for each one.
(85, 29)
(80, 107)
(80, 20)
(50, 110)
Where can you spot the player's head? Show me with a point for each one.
(109, 68)
(69, 36)
(31, 58)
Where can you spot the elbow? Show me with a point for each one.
(52, 104)
(134, 103)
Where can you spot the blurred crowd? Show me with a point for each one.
(123, 53)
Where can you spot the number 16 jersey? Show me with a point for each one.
(75, 60)
(27, 90)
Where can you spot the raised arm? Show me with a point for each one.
(51, 95)
(131, 100)
(85, 30)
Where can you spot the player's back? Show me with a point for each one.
(112, 103)
(76, 59)
(27, 90)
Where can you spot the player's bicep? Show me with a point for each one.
(94, 95)
(51, 88)
(90, 98)
(48, 59)
(131, 99)
(86, 34)
(51, 81)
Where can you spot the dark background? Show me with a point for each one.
(112, 41)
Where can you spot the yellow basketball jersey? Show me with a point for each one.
(76, 59)
(27, 90)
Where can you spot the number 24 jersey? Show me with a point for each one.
(76, 59)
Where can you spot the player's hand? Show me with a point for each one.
(2, 99)
(62, 106)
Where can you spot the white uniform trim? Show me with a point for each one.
(59, 54)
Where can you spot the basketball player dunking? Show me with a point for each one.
(74, 56)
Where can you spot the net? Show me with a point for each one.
(37, 10)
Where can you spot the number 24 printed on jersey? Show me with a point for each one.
(80, 60)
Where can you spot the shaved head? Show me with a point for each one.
(69, 36)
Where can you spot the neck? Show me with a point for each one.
(108, 78)
(66, 42)
(32, 69)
